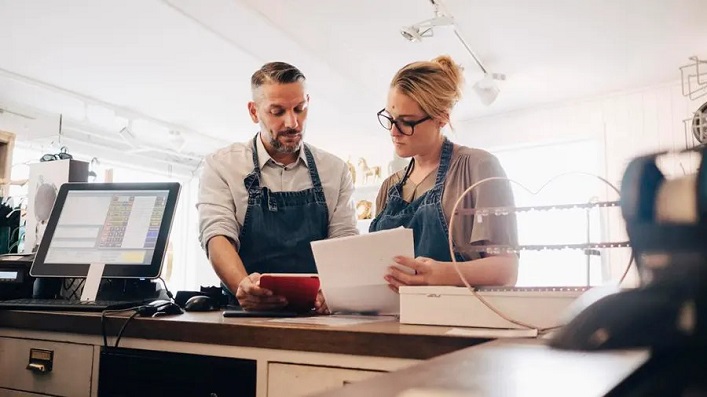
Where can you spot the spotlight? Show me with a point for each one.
(422, 29)
(129, 137)
(486, 89)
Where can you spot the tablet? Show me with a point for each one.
(257, 313)
(300, 290)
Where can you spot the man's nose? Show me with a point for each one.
(291, 120)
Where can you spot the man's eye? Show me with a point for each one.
(299, 110)
(277, 112)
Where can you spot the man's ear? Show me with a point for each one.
(253, 112)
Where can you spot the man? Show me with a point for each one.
(262, 202)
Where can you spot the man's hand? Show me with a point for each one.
(251, 297)
(320, 304)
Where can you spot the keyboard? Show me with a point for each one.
(66, 305)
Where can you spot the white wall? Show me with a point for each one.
(627, 124)
(624, 125)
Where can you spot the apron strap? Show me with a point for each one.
(444, 161)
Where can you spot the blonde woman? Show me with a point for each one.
(421, 197)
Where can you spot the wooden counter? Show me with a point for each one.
(290, 360)
(508, 368)
(379, 339)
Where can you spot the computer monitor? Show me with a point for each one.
(124, 226)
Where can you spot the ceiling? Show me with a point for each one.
(188, 62)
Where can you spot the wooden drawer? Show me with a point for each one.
(294, 380)
(14, 393)
(70, 375)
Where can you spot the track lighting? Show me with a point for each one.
(487, 88)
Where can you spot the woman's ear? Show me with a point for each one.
(443, 120)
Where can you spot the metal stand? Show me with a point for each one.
(93, 281)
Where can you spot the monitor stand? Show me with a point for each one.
(93, 281)
(118, 289)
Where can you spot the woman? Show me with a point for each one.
(421, 197)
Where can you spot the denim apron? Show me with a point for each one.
(279, 226)
(423, 215)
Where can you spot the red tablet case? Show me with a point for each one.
(299, 289)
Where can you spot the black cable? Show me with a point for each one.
(169, 294)
(103, 320)
(125, 325)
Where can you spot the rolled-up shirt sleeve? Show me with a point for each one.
(217, 209)
(342, 221)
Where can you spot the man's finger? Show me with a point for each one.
(263, 305)
(255, 290)
(265, 299)
(393, 288)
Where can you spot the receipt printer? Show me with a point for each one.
(15, 281)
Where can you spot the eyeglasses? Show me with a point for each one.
(405, 127)
(62, 155)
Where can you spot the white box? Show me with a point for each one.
(45, 178)
(457, 306)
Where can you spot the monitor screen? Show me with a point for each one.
(124, 226)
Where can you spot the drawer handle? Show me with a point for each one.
(40, 361)
(36, 367)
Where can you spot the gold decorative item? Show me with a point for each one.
(352, 170)
(364, 210)
(369, 172)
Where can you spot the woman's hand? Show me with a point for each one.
(320, 304)
(415, 271)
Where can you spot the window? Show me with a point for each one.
(533, 167)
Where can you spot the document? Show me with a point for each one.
(351, 270)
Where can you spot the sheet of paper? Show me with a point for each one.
(493, 333)
(436, 392)
(333, 320)
(351, 270)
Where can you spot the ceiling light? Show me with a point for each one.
(423, 29)
(177, 140)
(487, 89)
(128, 136)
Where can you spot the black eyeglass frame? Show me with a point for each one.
(394, 122)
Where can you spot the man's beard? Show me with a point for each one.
(284, 148)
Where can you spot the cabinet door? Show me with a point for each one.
(71, 370)
(294, 380)
(137, 373)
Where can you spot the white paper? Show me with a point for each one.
(436, 392)
(493, 332)
(351, 270)
(332, 321)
